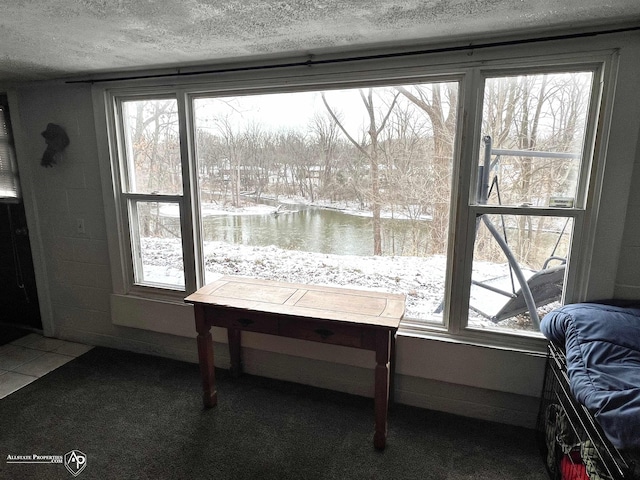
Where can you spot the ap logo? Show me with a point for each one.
(75, 461)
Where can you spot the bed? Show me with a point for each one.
(590, 411)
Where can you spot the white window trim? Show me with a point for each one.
(393, 71)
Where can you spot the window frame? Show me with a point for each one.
(9, 168)
(471, 75)
(125, 202)
(578, 213)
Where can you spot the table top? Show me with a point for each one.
(310, 301)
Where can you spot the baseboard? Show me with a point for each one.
(483, 404)
(185, 351)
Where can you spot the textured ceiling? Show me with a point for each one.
(61, 38)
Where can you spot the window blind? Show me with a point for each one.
(9, 185)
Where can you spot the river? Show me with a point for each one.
(311, 229)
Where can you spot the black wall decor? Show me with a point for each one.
(57, 140)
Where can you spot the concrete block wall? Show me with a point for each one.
(628, 277)
(75, 264)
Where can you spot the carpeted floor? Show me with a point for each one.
(140, 417)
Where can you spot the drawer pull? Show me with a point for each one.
(245, 322)
(324, 333)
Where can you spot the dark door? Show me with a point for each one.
(18, 295)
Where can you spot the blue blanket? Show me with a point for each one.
(602, 345)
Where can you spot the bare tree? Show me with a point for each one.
(154, 145)
(326, 130)
(439, 101)
(407, 178)
(302, 163)
(233, 146)
(258, 158)
(369, 148)
(209, 152)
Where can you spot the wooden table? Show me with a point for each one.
(340, 316)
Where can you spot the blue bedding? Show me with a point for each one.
(602, 345)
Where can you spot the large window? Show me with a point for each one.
(152, 190)
(343, 187)
(9, 184)
(365, 186)
(529, 190)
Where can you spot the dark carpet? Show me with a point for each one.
(141, 417)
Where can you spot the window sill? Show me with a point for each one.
(531, 343)
(163, 315)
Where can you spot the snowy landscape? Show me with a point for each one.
(316, 156)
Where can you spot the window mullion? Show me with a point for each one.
(574, 281)
(461, 253)
(190, 245)
(590, 139)
(195, 211)
(124, 152)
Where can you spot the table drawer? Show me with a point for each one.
(242, 321)
(326, 332)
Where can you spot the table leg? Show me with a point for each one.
(234, 335)
(392, 370)
(383, 352)
(205, 358)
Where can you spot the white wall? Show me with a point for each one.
(75, 285)
(75, 267)
(72, 269)
(628, 277)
